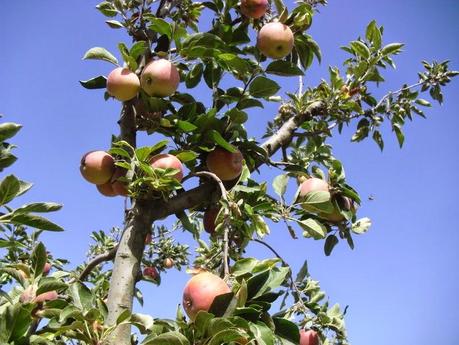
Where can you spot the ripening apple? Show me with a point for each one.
(46, 296)
(97, 167)
(150, 273)
(118, 186)
(123, 84)
(346, 204)
(313, 184)
(226, 165)
(168, 263)
(106, 189)
(165, 161)
(209, 220)
(309, 337)
(200, 292)
(46, 268)
(275, 40)
(254, 8)
(160, 78)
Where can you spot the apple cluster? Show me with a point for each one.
(159, 78)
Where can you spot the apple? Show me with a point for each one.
(275, 40)
(254, 8)
(226, 165)
(46, 296)
(27, 295)
(97, 167)
(150, 273)
(46, 268)
(123, 84)
(119, 187)
(346, 204)
(200, 291)
(168, 263)
(160, 78)
(309, 337)
(209, 220)
(313, 184)
(106, 189)
(165, 161)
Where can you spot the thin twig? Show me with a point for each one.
(110, 255)
(224, 195)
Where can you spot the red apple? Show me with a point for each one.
(226, 165)
(313, 184)
(165, 161)
(309, 337)
(275, 40)
(106, 189)
(150, 273)
(123, 84)
(160, 78)
(200, 292)
(254, 8)
(97, 167)
(209, 220)
(46, 296)
(119, 187)
(46, 268)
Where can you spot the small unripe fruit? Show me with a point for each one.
(275, 40)
(46, 296)
(309, 337)
(123, 84)
(200, 292)
(254, 8)
(226, 165)
(28, 295)
(106, 189)
(150, 273)
(210, 216)
(160, 78)
(97, 167)
(165, 161)
(168, 263)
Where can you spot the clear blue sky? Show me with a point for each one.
(401, 282)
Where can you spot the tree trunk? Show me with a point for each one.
(126, 269)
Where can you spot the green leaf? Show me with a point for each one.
(186, 156)
(373, 34)
(391, 49)
(99, 82)
(317, 202)
(378, 139)
(186, 126)
(50, 284)
(168, 338)
(5, 295)
(39, 258)
(423, 102)
(361, 226)
(194, 76)
(262, 87)
(280, 184)
(8, 130)
(107, 9)
(218, 139)
(284, 68)
(9, 189)
(223, 304)
(360, 49)
(330, 243)
(313, 228)
(40, 207)
(237, 116)
(399, 133)
(114, 24)
(82, 297)
(160, 26)
(256, 283)
(137, 49)
(98, 53)
(30, 220)
(287, 330)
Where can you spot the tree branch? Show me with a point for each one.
(110, 255)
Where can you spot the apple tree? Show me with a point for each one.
(199, 170)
